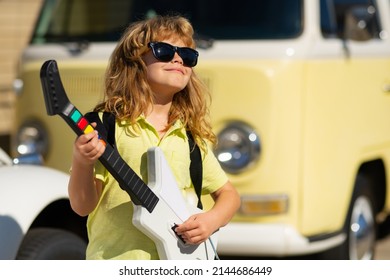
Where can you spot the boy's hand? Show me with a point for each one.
(197, 228)
(88, 147)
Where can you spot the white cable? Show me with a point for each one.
(215, 251)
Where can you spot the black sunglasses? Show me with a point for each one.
(165, 52)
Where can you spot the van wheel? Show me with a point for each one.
(360, 226)
(51, 244)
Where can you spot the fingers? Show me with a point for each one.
(193, 231)
(88, 147)
(191, 237)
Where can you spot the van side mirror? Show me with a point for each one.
(360, 23)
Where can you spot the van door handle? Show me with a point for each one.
(386, 87)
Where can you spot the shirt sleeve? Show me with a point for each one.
(100, 171)
(214, 177)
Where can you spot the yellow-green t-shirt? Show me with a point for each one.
(110, 230)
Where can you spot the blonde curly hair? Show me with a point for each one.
(127, 92)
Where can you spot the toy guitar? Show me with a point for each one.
(159, 207)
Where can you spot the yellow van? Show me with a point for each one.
(301, 106)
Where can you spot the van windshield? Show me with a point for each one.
(105, 20)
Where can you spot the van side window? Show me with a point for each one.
(349, 19)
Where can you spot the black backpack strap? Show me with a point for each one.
(106, 127)
(196, 169)
(109, 123)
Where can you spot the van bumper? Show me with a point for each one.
(248, 239)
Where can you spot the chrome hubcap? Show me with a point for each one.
(362, 230)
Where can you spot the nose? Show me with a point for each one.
(177, 59)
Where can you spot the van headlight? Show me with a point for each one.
(238, 147)
(32, 138)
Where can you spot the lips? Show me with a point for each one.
(180, 70)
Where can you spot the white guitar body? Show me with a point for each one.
(170, 210)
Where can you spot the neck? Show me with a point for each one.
(158, 117)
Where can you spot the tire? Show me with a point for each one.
(51, 244)
(360, 227)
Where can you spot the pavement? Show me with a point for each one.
(383, 249)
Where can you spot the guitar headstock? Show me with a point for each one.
(53, 91)
(57, 101)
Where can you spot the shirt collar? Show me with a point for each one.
(177, 127)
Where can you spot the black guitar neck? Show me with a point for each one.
(57, 103)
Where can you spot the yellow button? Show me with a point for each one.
(88, 129)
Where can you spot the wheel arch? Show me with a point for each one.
(370, 182)
(375, 171)
(59, 214)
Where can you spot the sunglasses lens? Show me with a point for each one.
(189, 56)
(163, 52)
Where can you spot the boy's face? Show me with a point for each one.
(167, 78)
